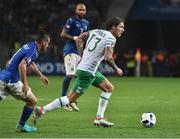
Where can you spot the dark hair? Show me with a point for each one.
(114, 21)
(42, 36)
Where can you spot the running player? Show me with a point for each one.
(99, 46)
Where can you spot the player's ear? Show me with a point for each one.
(113, 27)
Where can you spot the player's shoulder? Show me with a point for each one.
(106, 34)
(110, 36)
(29, 46)
(73, 18)
(85, 21)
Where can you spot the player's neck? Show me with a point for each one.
(112, 32)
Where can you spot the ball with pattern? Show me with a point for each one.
(148, 119)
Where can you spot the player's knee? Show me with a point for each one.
(110, 88)
(35, 101)
(32, 102)
(72, 97)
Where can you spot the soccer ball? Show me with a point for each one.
(148, 119)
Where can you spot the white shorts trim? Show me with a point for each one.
(71, 61)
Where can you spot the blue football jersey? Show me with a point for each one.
(28, 52)
(74, 26)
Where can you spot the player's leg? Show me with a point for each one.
(15, 90)
(81, 84)
(77, 59)
(70, 67)
(67, 79)
(107, 88)
(29, 107)
(70, 61)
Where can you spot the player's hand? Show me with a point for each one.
(119, 72)
(25, 89)
(45, 80)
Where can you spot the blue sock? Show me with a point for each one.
(65, 85)
(25, 115)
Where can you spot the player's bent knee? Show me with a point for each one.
(34, 101)
(31, 102)
(72, 97)
(110, 88)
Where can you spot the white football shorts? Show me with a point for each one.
(14, 89)
(71, 61)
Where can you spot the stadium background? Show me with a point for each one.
(152, 26)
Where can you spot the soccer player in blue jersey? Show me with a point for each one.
(74, 26)
(15, 70)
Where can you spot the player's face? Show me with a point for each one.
(80, 10)
(118, 30)
(44, 45)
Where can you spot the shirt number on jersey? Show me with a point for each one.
(95, 41)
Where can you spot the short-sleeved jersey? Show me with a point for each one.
(93, 53)
(28, 52)
(74, 26)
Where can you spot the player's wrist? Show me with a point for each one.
(75, 38)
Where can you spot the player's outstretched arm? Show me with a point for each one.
(38, 72)
(108, 56)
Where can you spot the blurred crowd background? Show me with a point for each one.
(152, 30)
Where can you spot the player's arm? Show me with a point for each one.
(22, 72)
(38, 72)
(108, 56)
(67, 36)
(80, 41)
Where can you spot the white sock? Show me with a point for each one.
(57, 103)
(103, 101)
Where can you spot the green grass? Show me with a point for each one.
(131, 97)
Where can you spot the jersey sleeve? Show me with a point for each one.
(28, 54)
(110, 42)
(68, 25)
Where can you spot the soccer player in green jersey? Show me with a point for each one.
(99, 46)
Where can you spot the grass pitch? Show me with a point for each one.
(131, 97)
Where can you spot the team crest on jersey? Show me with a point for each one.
(26, 47)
